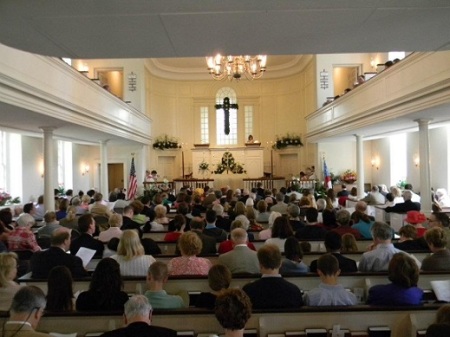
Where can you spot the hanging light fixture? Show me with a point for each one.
(233, 67)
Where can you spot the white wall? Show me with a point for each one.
(137, 98)
(327, 61)
(32, 165)
(280, 106)
(439, 157)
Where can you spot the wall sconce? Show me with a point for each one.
(417, 161)
(375, 163)
(85, 170)
(41, 168)
(373, 63)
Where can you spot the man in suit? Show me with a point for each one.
(280, 206)
(406, 206)
(241, 259)
(27, 308)
(128, 222)
(208, 243)
(42, 262)
(138, 318)
(211, 230)
(221, 221)
(343, 192)
(272, 291)
(374, 197)
(86, 227)
(333, 244)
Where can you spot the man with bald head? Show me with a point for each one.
(241, 259)
(42, 262)
(406, 206)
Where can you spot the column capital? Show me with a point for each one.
(423, 121)
(48, 129)
(104, 142)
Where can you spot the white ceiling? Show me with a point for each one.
(180, 28)
(177, 30)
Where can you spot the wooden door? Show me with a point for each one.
(115, 176)
(167, 168)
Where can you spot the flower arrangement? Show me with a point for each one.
(401, 184)
(203, 167)
(229, 164)
(289, 139)
(61, 189)
(7, 199)
(165, 142)
(349, 176)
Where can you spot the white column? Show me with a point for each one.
(360, 165)
(104, 168)
(49, 165)
(424, 154)
(144, 163)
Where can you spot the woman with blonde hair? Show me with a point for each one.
(8, 272)
(349, 243)
(71, 219)
(115, 221)
(131, 255)
(160, 215)
(84, 206)
(188, 263)
(240, 212)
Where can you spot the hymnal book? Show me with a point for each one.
(316, 332)
(441, 290)
(379, 331)
(294, 334)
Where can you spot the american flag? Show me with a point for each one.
(327, 175)
(132, 184)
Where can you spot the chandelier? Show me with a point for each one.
(233, 67)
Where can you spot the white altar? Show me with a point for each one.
(251, 157)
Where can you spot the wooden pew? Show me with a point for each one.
(403, 321)
(307, 258)
(305, 282)
(168, 248)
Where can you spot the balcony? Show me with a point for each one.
(38, 91)
(418, 87)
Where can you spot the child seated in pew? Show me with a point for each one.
(233, 309)
(219, 280)
(329, 291)
(157, 276)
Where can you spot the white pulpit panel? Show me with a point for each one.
(251, 158)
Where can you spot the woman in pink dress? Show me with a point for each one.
(188, 263)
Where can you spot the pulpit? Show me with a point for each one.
(251, 160)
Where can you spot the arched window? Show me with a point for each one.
(221, 137)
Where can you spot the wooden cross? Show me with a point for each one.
(226, 106)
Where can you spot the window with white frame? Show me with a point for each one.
(204, 125)
(392, 55)
(248, 117)
(398, 158)
(65, 170)
(11, 164)
(2, 161)
(221, 137)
